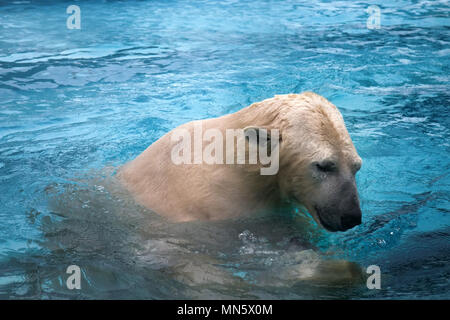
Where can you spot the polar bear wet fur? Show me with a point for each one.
(317, 167)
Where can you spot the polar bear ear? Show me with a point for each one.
(263, 135)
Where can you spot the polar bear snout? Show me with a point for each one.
(340, 214)
(349, 209)
(351, 219)
(341, 210)
(339, 221)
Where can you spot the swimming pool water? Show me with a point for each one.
(74, 102)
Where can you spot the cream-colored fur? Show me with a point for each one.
(311, 129)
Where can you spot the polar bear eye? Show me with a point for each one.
(326, 166)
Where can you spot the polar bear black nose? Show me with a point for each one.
(350, 220)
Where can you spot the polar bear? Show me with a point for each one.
(316, 163)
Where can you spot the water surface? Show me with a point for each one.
(76, 104)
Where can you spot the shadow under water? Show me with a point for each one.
(126, 251)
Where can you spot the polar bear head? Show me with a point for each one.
(318, 161)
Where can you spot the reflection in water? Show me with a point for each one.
(125, 250)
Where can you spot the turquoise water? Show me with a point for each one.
(76, 104)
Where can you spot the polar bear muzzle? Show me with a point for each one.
(339, 209)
